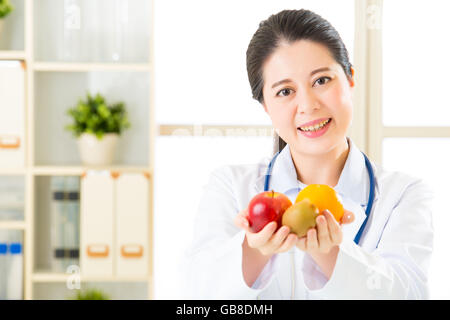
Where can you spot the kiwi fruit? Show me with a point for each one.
(300, 217)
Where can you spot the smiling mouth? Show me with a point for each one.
(317, 127)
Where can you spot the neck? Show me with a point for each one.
(321, 169)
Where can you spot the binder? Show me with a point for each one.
(132, 208)
(56, 231)
(12, 114)
(65, 222)
(97, 207)
(72, 242)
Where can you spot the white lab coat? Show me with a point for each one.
(391, 262)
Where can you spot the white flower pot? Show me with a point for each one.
(96, 152)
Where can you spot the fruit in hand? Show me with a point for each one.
(266, 207)
(300, 217)
(323, 197)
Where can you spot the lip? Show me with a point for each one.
(313, 123)
(315, 134)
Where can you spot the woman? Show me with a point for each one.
(299, 71)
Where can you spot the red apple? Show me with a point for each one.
(266, 207)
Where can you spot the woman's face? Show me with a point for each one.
(303, 84)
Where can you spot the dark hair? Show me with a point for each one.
(290, 26)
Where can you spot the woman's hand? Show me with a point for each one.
(326, 235)
(267, 241)
(322, 242)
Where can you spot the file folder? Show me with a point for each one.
(132, 211)
(97, 213)
(12, 114)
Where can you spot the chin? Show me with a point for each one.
(315, 147)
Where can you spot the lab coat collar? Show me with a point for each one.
(284, 175)
(353, 185)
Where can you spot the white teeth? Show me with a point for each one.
(316, 127)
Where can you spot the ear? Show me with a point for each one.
(352, 79)
(265, 107)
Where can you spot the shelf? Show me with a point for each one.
(12, 55)
(41, 276)
(13, 225)
(79, 170)
(12, 171)
(86, 67)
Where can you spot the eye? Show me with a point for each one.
(322, 80)
(284, 92)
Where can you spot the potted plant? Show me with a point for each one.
(5, 9)
(90, 294)
(97, 127)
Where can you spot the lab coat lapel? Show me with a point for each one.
(284, 175)
(351, 230)
(353, 187)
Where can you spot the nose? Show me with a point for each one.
(306, 102)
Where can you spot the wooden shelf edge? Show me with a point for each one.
(13, 225)
(86, 67)
(12, 55)
(40, 277)
(79, 170)
(12, 171)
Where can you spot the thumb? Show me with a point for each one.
(241, 220)
(348, 217)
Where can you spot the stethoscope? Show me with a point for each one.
(368, 208)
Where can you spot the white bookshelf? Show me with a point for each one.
(12, 55)
(80, 170)
(45, 277)
(52, 86)
(13, 225)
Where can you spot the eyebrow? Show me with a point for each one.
(311, 74)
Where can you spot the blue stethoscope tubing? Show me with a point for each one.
(371, 190)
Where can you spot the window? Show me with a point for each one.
(415, 135)
(415, 63)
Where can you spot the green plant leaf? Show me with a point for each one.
(5, 8)
(93, 115)
(91, 294)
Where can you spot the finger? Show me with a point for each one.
(333, 228)
(301, 243)
(257, 240)
(288, 243)
(323, 236)
(237, 221)
(242, 223)
(348, 217)
(277, 239)
(245, 213)
(311, 241)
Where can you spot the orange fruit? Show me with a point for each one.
(323, 197)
